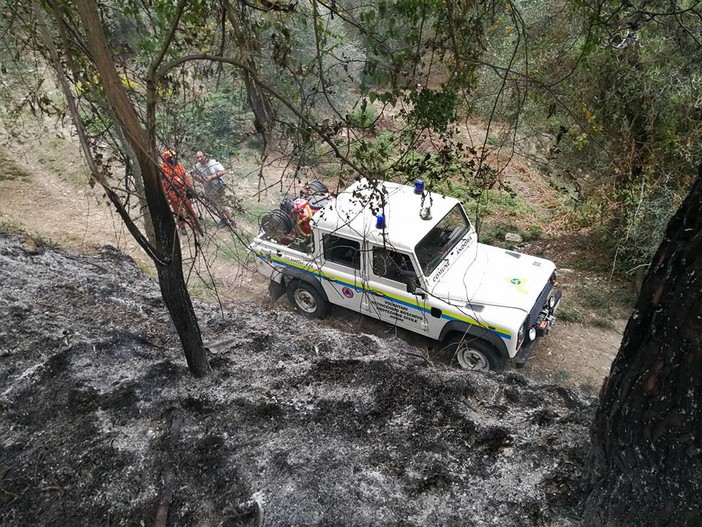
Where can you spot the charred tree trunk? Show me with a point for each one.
(647, 434)
(167, 255)
(180, 307)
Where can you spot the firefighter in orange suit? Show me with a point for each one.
(179, 190)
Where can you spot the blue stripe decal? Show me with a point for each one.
(361, 289)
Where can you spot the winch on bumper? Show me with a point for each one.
(542, 324)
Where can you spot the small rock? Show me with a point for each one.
(29, 245)
(513, 237)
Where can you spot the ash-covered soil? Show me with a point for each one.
(101, 423)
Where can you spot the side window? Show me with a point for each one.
(342, 251)
(393, 265)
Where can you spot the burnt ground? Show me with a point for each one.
(101, 423)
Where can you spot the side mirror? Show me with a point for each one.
(413, 288)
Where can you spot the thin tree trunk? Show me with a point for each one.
(647, 434)
(169, 265)
(139, 184)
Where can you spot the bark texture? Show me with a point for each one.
(647, 434)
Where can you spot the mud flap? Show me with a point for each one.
(275, 290)
(524, 353)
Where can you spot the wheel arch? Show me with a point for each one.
(288, 275)
(457, 327)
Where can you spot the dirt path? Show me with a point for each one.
(54, 202)
(44, 192)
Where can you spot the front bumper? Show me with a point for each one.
(543, 324)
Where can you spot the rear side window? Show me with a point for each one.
(342, 251)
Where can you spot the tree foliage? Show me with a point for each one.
(610, 91)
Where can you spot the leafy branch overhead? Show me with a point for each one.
(287, 67)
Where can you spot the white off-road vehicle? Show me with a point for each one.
(410, 258)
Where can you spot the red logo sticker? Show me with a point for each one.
(348, 293)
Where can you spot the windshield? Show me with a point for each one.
(441, 239)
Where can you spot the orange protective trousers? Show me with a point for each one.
(176, 184)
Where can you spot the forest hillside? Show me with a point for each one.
(568, 130)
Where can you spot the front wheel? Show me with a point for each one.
(470, 353)
(306, 299)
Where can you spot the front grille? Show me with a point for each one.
(543, 297)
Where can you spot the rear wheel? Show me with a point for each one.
(307, 300)
(470, 353)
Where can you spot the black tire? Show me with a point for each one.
(471, 353)
(307, 300)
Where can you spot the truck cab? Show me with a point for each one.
(402, 255)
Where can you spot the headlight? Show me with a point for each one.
(520, 334)
(532, 334)
(552, 302)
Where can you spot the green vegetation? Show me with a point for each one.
(218, 122)
(491, 202)
(569, 313)
(611, 96)
(589, 386)
(595, 298)
(10, 226)
(47, 242)
(562, 376)
(604, 323)
(363, 116)
(599, 304)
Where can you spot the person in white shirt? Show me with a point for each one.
(210, 172)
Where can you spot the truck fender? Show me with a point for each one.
(288, 275)
(457, 326)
